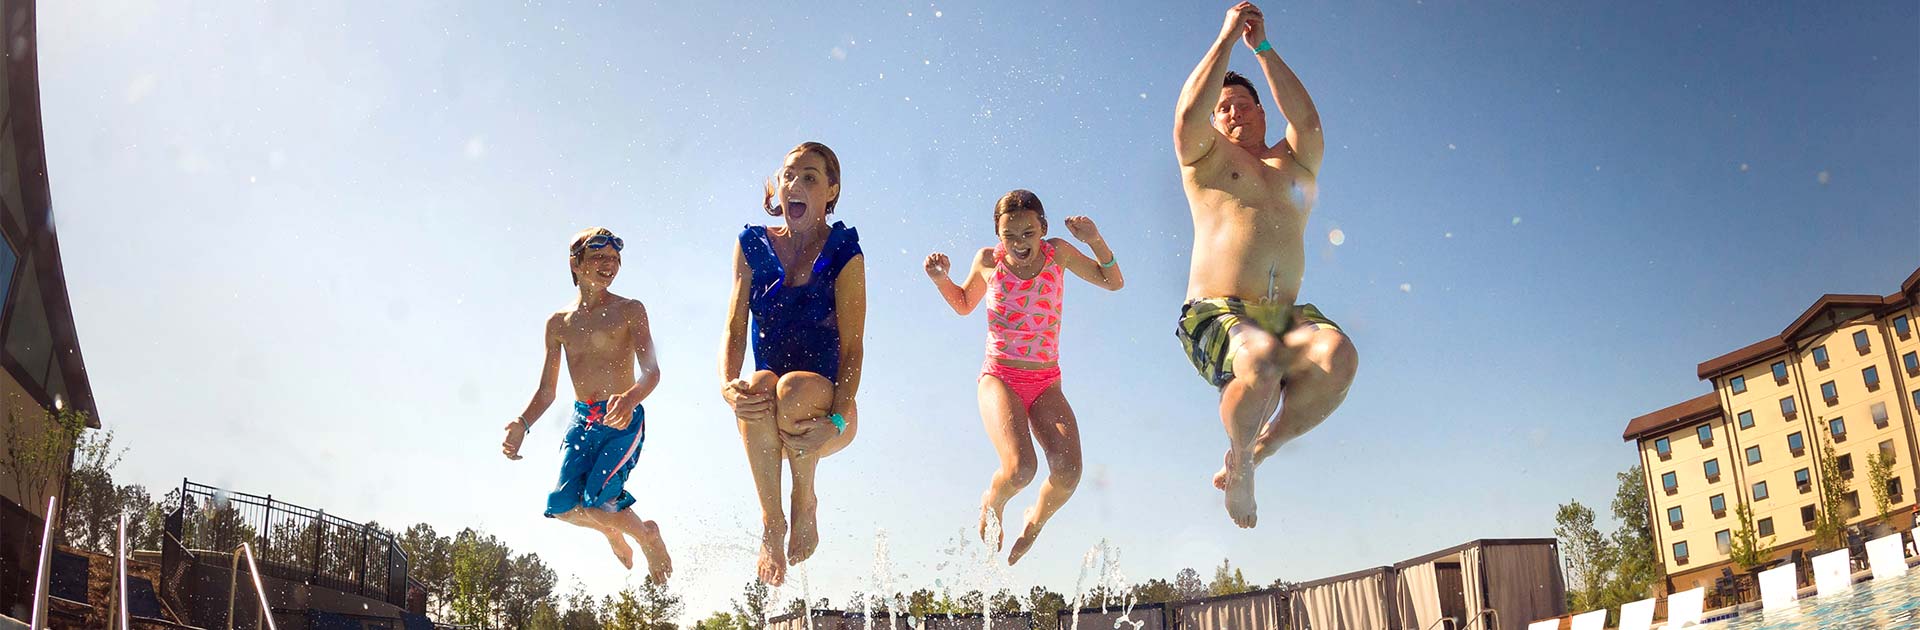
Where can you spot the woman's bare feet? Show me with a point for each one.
(805, 536)
(659, 564)
(1028, 534)
(773, 553)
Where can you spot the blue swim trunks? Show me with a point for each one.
(596, 461)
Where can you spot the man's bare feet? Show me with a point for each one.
(773, 553)
(1239, 488)
(805, 536)
(659, 564)
(620, 549)
(1027, 535)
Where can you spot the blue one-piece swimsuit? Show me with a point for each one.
(796, 328)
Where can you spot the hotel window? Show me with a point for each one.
(1803, 479)
(1860, 341)
(1839, 428)
(1829, 392)
(1846, 466)
(1706, 434)
(1879, 411)
(1765, 526)
(1723, 541)
(1680, 552)
(1912, 362)
(1900, 326)
(1780, 372)
(1820, 357)
(1670, 481)
(1786, 407)
(1663, 447)
(1718, 504)
(1673, 517)
(1796, 444)
(1753, 454)
(1759, 490)
(1886, 450)
(1739, 384)
(1893, 490)
(1872, 376)
(1852, 499)
(1806, 516)
(1713, 470)
(1746, 419)
(1916, 398)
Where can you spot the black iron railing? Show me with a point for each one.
(295, 543)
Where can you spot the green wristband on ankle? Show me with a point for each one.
(1110, 262)
(1263, 47)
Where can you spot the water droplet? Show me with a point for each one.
(1823, 178)
(939, 14)
(1516, 220)
(1337, 237)
(1143, 96)
(1449, 235)
(1406, 287)
(1743, 167)
(1450, 147)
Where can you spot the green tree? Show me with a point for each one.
(658, 606)
(429, 560)
(1636, 568)
(90, 517)
(529, 584)
(723, 621)
(1187, 584)
(545, 616)
(480, 568)
(38, 448)
(1227, 580)
(1046, 606)
(1154, 591)
(583, 612)
(1830, 524)
(1747, 551)
(1588, 555)
(1879, 472)
(752, 607)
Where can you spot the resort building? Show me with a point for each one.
(1845, 374)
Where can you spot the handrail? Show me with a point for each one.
(42, 579)
(121, 582)
(1482, 616)
(1447, 620)
(233, 579)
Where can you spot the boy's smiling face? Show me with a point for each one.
(596, 268)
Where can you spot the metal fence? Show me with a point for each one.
(296, 543)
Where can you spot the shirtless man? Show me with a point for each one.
(1240, 326)
(602, 337)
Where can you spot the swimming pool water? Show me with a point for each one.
(1869, 605)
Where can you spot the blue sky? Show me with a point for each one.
(310, 249)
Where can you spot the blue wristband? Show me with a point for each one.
(839, 423)
(1263, 47)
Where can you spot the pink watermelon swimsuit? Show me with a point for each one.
(1023, 324)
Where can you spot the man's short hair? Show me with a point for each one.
(1235, 78)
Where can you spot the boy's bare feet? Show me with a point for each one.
(659, 564)
(805, 536)
(773, 553)
(1238, 483)
(1028, 534)
(620, 549)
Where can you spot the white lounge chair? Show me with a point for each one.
(1777, 588)
(1832, 573)
(1596, 620)
(1686, 608)
(1884, 555)
(1637, 615)
(1547, 624)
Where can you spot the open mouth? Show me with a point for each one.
(796, 207)
(1020, 253)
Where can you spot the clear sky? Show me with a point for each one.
(311, 245)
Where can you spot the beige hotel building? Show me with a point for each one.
(1845, 373)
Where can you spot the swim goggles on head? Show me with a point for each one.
(598, 241)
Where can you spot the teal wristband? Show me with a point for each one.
(839, 423)
(1263, 47)
(1110, 262)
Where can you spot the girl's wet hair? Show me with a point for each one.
(577, 248)
(833, 177)
(1019, 200)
